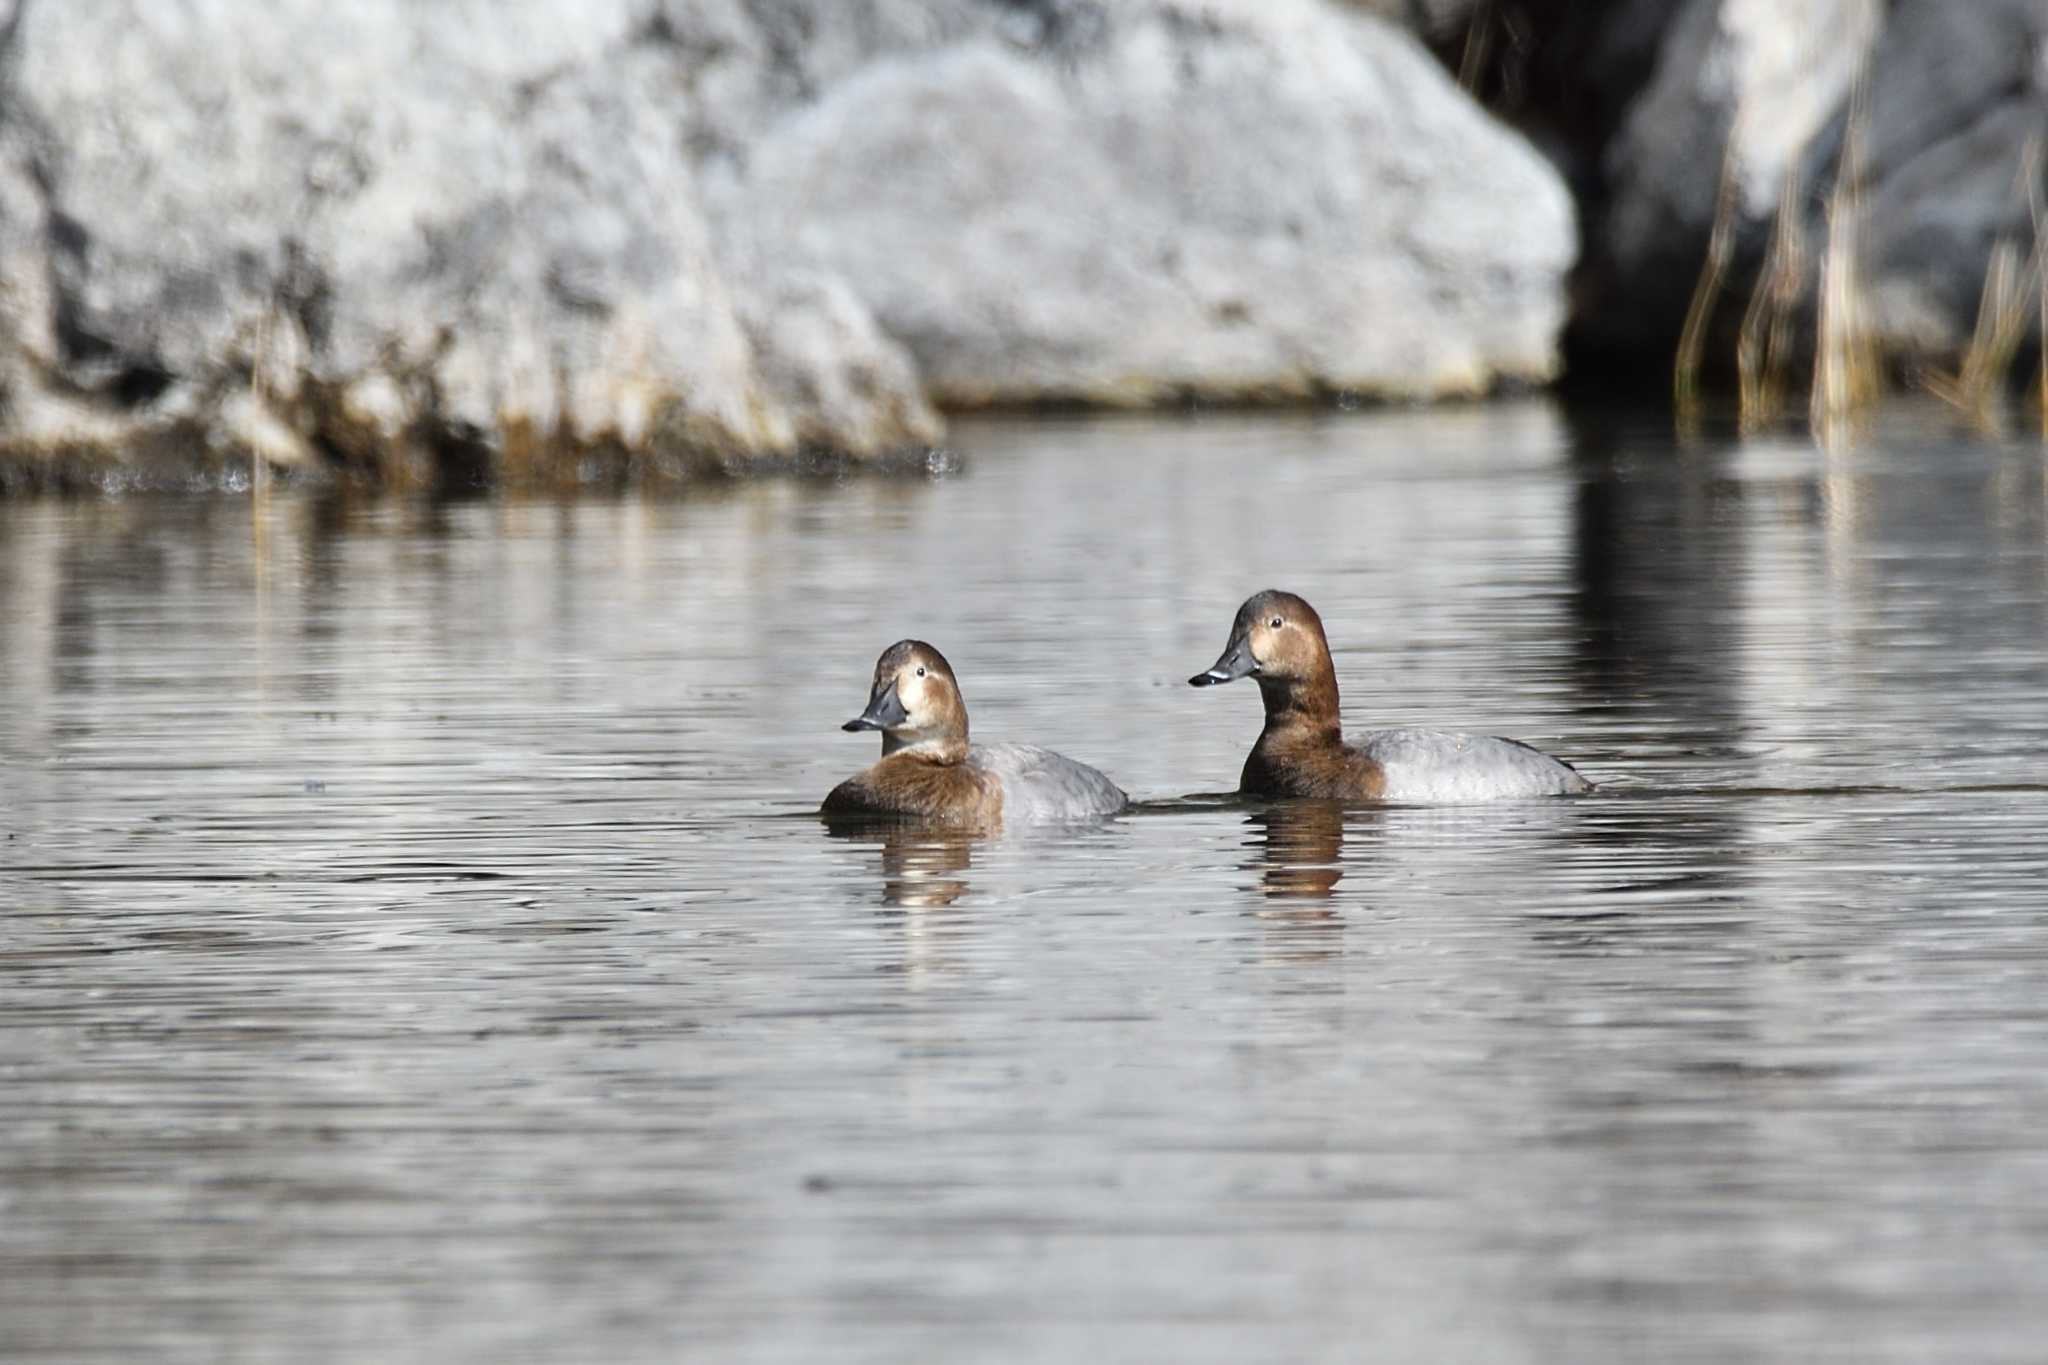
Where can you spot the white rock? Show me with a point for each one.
(1235, 200)
(743, 226)
(483, 206)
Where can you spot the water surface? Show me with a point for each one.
(416, 945)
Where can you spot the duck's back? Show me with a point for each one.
(1040, 785)
(1438, 765)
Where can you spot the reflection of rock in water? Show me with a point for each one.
(920, 864)
(1654, 601)
(1301, 849)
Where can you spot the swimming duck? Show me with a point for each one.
(1278, 639)
(928, 769)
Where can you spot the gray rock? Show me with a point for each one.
(1427, 18)
(845, 386)
(643, 230)
(1956, 94)
(1226, 200)
(394, 225)
(748, 62)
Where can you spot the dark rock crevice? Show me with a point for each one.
(1635, 102)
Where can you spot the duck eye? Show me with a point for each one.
(1276, 623)
(920, 670)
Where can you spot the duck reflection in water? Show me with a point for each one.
(1301, 848)
(922, 865)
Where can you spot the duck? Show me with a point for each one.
(930, 772)
(1278, 639)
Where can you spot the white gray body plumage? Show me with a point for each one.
(1442, 766)
(1040, 786)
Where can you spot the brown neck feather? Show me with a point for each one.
(1305, 704)
(941, 749)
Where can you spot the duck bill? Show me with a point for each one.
(1236, 662)
(885, 712)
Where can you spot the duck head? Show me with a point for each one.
(915, 702)
(1276, 638)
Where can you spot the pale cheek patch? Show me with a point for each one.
(910, 690)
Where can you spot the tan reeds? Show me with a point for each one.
(1478, 48)
(1692, 337)
(2011, 286)
(2037, 212)
(1847, 372)
(259, 468)
(1763, 351)
(1976, 390)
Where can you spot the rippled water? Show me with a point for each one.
(417, 945)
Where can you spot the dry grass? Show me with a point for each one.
(259, 468)
(1763, 352)
(2012, 287)
(1478, 49)
(2037, 213)
(1848, 372)
(2003, 308)
(1692, 337)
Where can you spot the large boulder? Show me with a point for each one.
(1958, 104)
(560, 237)
(1237, 199)
(376, 229)
(1955, 99)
